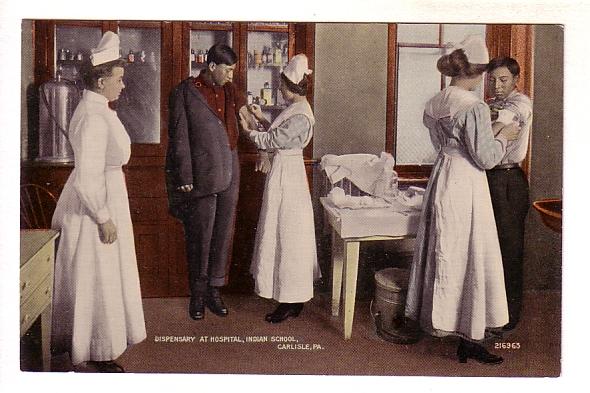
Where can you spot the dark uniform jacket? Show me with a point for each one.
(199, 152)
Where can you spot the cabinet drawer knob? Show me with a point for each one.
(47, 290)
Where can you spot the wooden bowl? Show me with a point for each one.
(550, 211)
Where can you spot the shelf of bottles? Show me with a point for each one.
(200, 42)
(267, 56)
(72, 48)
(138, 107)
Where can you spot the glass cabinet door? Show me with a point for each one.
(72, 47)
(138, 106)
(268, 53)
(201, 41)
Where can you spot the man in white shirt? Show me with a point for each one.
(509, 188)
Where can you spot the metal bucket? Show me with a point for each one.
(387, 309)
(391, 286)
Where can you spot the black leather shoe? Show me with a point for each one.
(196, 307)
(215, 303)
(476, 352)
(284, 311)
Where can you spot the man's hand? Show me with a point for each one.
(186, 188)
(107, 232)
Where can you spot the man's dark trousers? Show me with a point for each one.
(509, 191)
(208, 230)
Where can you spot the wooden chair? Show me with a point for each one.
(37, 205)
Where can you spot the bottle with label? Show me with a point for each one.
(250, 98)
(79, 56)
(193, 56)
(142, 56)
(269, 55)
(257, 57)
(131, 56)
(264, 55)
(278, 55)
(62, 54)
(266, 94)
(206, 55)
(200, 56)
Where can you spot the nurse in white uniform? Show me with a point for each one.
(97, 309)
(284, 264)
(456, 282)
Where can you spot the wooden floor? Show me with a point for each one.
(313, 344)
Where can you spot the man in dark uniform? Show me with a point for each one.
(202, 174)
(509, 188)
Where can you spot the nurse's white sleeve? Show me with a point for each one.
(290, 134)
(485, 150)
(90, 181)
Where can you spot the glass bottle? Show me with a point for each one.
(266, 93)
(264, 55)
(131, 56)
(193, 56)
(278, 55)
(257, 57)
(142, 56)
(200, 56)
(206, 55)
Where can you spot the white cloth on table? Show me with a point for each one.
(97, 306)
(371, 174)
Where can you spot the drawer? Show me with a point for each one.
(35, 270)
(33, 307)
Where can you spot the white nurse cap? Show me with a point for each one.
(107, 50)
(297, 68)
(475, 49)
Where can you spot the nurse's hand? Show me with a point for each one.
(107, 232)
(186, 188)
(256, 111)
(511, 131)
(244, 124)
(263, 163)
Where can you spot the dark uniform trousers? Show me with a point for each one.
(208, 228)
(509, 190)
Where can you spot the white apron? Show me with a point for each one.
(97, 309)
(284, 264)
(457, 281)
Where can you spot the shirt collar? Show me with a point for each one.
(201, 81)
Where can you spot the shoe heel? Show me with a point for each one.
(296, 311)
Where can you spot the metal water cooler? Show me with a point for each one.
(58, 99)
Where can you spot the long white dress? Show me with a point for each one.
(97, 309)
(284, 264)
(456, 281)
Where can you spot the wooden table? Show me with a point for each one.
(349, 229)
(37, 253)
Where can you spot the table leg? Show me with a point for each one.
(46, 338)
(337, 264)
(351, 267)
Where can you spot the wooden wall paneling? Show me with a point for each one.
(177, 264)
(390, 134)
(151, 246)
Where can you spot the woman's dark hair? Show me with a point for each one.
(297, 88)
(91, 74)
(457, 64)
(222, 54)
(507, 62)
